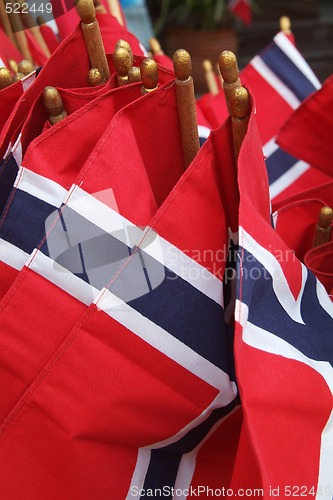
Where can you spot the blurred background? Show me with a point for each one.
(206, 27)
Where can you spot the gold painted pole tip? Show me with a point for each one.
(40, 20)
(240, 103)
(13, 65)
(207, 65)
(86, 11)
(94, 77)
(52, 101)
(155, 46)
(325, 217)
(5, 78)
(122, 60)
(26, 67)
(134, 75)
(149, 74)
(228, 66)
(285, 25)
(124, 44)
(182, 64)
(18, 76)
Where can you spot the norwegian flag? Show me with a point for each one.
(307, 133)
(241, 9)
(136, 316)
(281, 79)
(283, 348)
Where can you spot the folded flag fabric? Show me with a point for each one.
(307, 133)
(300, 212)
(319, 260)
(51, 39)
(283, 348)
(241, 9)
(144, 301)
(7, 50)
(281, 79)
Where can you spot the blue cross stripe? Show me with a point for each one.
(314, 339)
(24, 224)
(146, 285)
(164, 462)
(8, 173)
(278, 163)
(286, 70)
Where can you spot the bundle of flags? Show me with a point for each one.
(166, 329)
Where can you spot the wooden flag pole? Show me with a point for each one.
(115, 10)
(6, 25)
(210, 77)
(149, 75)
(54, 105)
(30, 24)
(92, 37)
(134, 75)
(240, 114)
(125, 45)
(155, 46)
(122, 62)
(94, 77)
(5, 78)
(230, 74)
(186, 105)
(323, 228)
(18, 30)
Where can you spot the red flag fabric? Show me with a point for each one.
(164, 60)
(10, 95)
(282, 346)
(242, 10)
(147, 354)
(320, 261)
(295, 219)
(307, 133)
(36, 52)
(7, 50)
(50, 37)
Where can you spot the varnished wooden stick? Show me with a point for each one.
(230, 74)
(94, 77)
(210, 77)
(99, 7)
(26, 67)
(115, 10)
(92, 37)
(149, 75)
(13, 65)
(5, 78)
(30, 24)
(18, 76)
(19, 34)
(186, 105)
(54, 105)
(155, 46)
(134, 75)
(285, 25)
(240, 114)
(122, 62)
(6, 25)
(323, 229)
